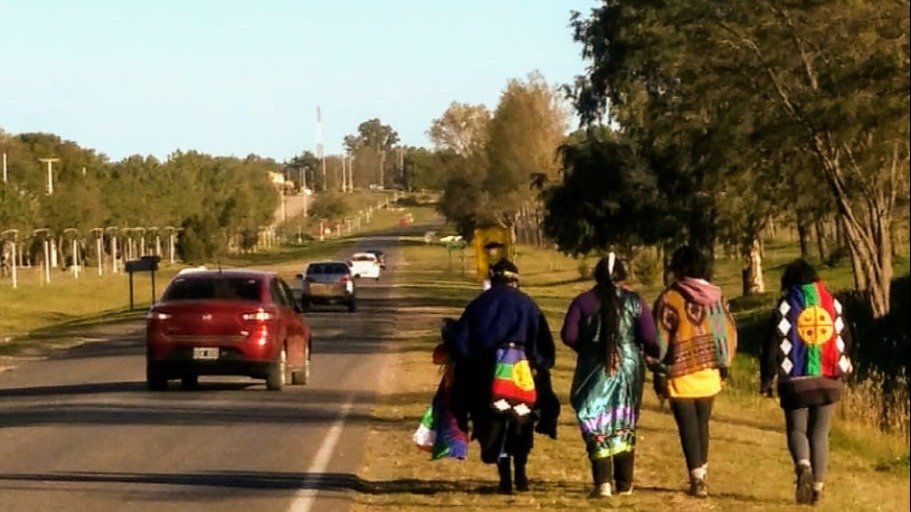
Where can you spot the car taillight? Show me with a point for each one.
(157, 315)
(257, 316)
(344, 279)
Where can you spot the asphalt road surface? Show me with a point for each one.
(79, 431)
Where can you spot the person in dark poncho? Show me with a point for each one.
(807, 351)
(502, 329)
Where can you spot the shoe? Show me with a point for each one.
(624, 491)
(817, 493)
(803, 491)
(521, 483)
(600, 491)
(698, 488)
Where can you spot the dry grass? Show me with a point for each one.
(749, 464)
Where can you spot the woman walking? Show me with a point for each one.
(807, 350)
(503, 351)
(697, 341)
(609, 326)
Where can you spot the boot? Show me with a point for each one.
(503, 468)
(521, 479)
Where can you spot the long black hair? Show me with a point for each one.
(607, 274)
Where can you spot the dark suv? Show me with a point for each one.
(328, 282)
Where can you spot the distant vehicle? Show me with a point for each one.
(328, 282)
(365, 264)
(227, 322)
(380, 256)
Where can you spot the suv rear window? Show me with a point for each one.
(220, 288)
(328, 268)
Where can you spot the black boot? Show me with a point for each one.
(521, 479)
(503, 469)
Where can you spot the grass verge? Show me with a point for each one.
(749, 464)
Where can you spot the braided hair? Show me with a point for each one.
(608, 272)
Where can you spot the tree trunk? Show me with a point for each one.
(867, 223)
(753, 282)
(802, 235)
(821, 239)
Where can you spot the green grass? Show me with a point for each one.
(36, 308)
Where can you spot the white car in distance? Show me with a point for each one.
(365, 264)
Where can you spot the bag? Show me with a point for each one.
(513, 391)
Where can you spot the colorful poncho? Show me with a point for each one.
(438, 431)
(810, 330)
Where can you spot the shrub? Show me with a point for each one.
(646, 268)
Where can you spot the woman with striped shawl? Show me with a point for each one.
(608, 327)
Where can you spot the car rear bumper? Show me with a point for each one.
(231, 361)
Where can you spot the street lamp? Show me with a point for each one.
(99, 236)
(45, 234)
(75, 261)
(12, 235)
(112, 231)
(50, 173)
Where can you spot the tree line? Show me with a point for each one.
(204, 197)
(710, 124)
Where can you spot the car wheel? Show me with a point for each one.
(156, 380)
(190, 381)
(352, 306)
(302, 376)
(275, 379)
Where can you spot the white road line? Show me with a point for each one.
(304, 498)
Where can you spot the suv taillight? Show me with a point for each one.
(344, 279)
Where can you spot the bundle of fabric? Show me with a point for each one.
(439, 432)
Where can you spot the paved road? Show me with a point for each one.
(79, 432)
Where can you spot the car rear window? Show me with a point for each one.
(327, 268)
(364, 257)
(221, 288)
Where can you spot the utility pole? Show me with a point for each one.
(4, 167)
(344, 173)
(319, 145)
(382, 171)
(50, 173)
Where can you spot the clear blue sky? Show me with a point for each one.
(231, 78)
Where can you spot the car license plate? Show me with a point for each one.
(205, 353)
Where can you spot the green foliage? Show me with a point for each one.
(331, 206)
(201, 240)
(607, 197)
(647, 268)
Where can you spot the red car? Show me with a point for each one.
(227, 322)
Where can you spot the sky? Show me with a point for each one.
(228, 77)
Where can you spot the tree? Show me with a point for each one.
(526, 131)
(835, 72)
(380, 139)
(607, 197)
(462, 129)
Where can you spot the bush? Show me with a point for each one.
(646, 268)
(201, 240)
(585, 270)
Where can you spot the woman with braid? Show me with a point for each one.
(609, 327)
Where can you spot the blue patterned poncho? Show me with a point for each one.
(607, 404)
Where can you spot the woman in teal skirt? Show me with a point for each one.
(611, 328)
